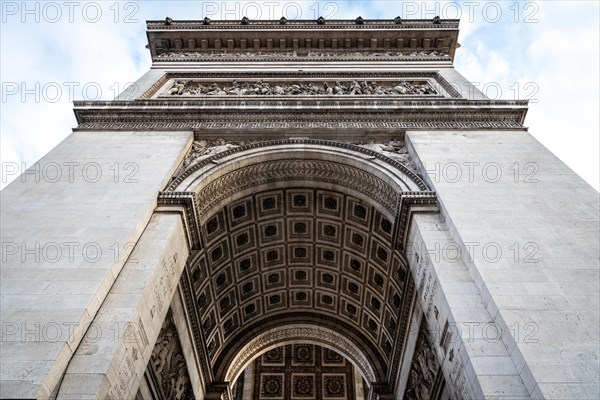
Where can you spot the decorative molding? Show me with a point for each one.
(202, 149)
(304, 24)
(196, 88)
(187, 201)
(310, 114)
(286, 334)
(408, 304)
(307, 170)
(297, 126)
(194, 317)
(283, 55)
(410, 203)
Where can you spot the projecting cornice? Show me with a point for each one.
(168, 38)
(300, 115)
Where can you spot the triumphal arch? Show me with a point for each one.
(300, 210)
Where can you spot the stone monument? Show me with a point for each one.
(300, 209)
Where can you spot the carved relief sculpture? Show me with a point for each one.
(336, 88)
(334, 55)
(424, 369)
(168, 364)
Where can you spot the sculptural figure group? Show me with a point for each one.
(262, 88)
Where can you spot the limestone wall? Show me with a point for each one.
(526, 227)
(67, 227)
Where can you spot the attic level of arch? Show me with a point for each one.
(339, 36)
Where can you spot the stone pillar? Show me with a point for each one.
(68, 225)
(525, 228)
(112, 358)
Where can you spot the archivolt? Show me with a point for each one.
(299, 334)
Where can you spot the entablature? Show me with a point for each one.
(306, 115)
(325, 40)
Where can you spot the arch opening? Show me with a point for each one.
(299, 237)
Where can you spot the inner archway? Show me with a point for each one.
(300, 370)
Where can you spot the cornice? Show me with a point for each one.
(300, 114)
(153, 25)
(170, 36)
(301, 122)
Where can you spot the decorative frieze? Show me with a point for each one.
(310, 116)
(282, 55)
(307, 88)
(442, 87)
(297, 126)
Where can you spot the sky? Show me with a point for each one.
(58, 51)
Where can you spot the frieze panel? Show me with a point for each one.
(298, 88)
(299, 77)
(221, 56)
(297, 126)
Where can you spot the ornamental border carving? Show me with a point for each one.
(278, 336)
(295, 316)
(192, 311)
(263, 56)
(347, 117)
(494, 125)
(427, 201)
(309, 170)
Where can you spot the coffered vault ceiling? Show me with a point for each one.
(308, 253)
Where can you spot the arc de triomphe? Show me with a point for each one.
(320, 188)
